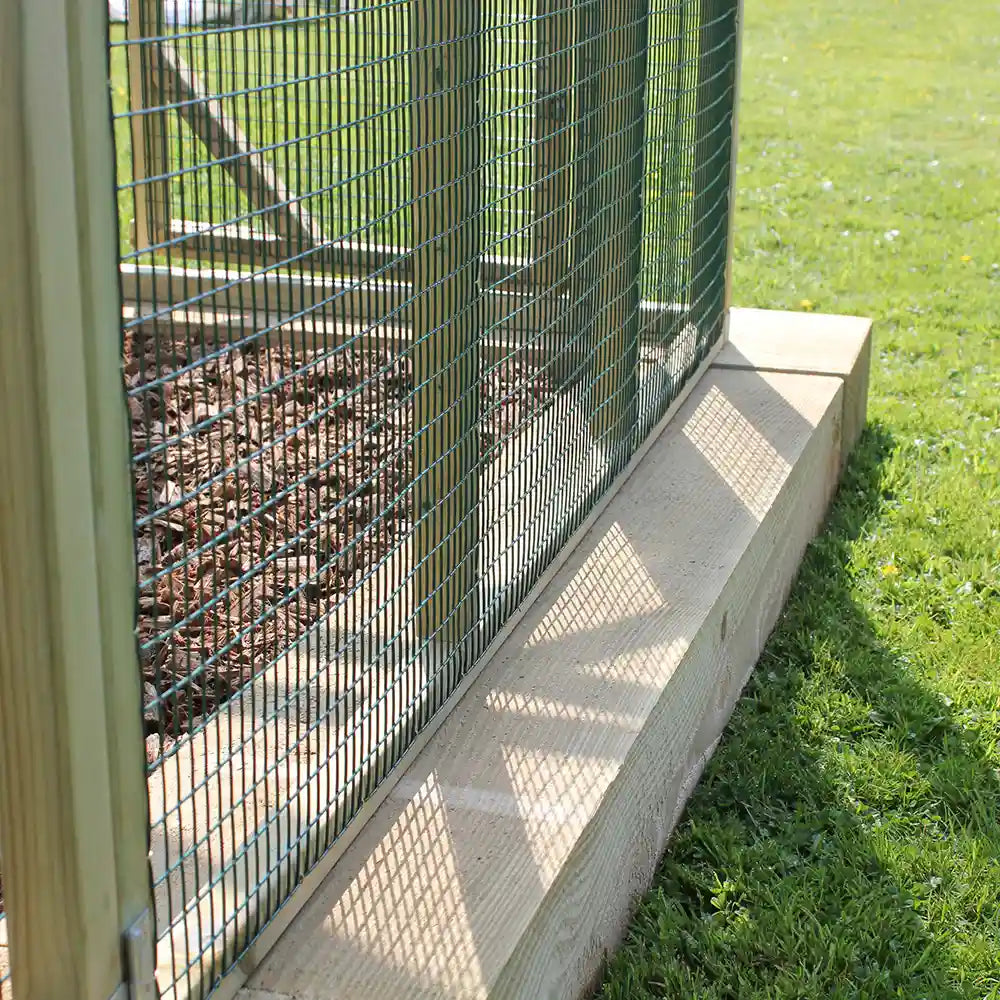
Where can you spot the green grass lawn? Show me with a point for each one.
(334, 138)
(325, 101)
(324, 98)
(845, 840)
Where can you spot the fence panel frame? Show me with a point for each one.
(73, 816)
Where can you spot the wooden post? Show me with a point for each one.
(550, 272)
(73, 820)
(619, 133)
(552, 195)
(150, 154)
(713, 151)
(734, 151)
(445, 314)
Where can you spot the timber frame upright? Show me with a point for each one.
(445, 316)
(150, 159)
(73, 816)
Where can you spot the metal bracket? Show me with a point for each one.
(140, 964)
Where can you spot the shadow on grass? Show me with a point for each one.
(805, 865)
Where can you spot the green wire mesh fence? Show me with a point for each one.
(405, 283)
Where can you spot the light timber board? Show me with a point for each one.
(506, 860)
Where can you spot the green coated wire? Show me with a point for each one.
(420, 276)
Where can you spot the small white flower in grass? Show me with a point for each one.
(933, 163)
(827, 185)
(934, 881)
(891, 234)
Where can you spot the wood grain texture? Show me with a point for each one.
(240, 243)
(314, 879)
(505, 861)
(71, 810)
(329, 310)
(733, 162)
(150, 153)
(241, 775)
(445, 314)
(714, 124)
(807, 343)
(366, 299)
(56, 799)
(240, 808)
(644, 804)
(110, 456)
(552, 191)
(616, 146)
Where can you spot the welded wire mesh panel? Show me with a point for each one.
(252, 142)
(690, 97)
(405, 283)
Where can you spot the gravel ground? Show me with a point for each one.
(266, 482)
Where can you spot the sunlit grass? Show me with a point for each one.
(845, 840)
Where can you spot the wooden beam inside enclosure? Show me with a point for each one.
(618, 130)
(734, 142)
(238, 243)
(162, 84)
(73, 817)
(552, 194)
(445, 313)
(271, 200)
(713, 153)
(150, 160)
